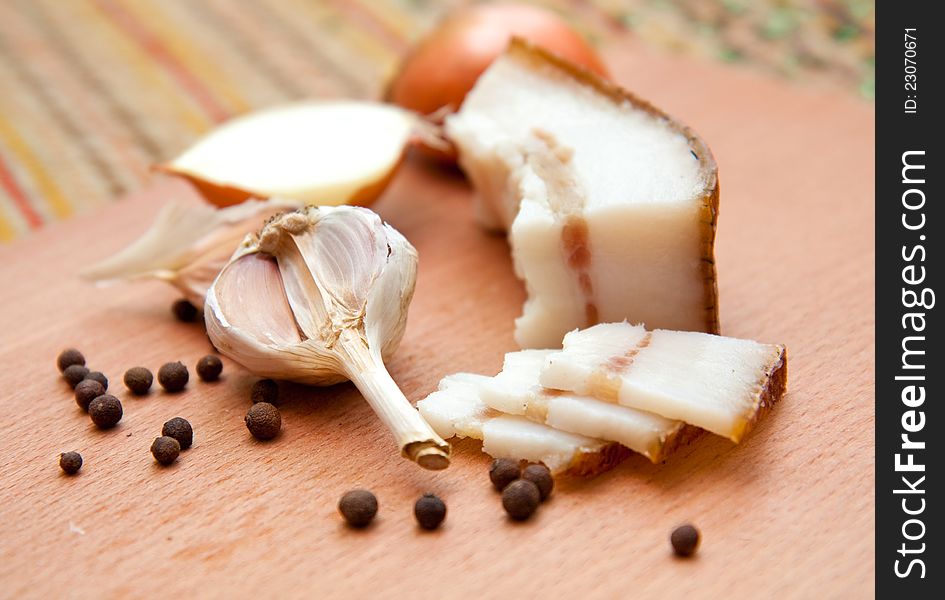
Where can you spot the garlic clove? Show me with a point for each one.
(386, 332)
(248, 315)
(343, 282)
(324, 152)
(187, 245)
(266, 312)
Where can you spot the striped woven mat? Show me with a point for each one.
(92, 92)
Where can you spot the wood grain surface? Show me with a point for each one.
(788, 513)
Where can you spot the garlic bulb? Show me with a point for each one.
(320, 296)
(187, 245)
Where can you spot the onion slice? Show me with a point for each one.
(317, 152)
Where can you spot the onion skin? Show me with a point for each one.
(216, 194)
(222, 196)
(445, 65)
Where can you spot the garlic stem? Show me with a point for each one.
(417, 441)
(415, 438)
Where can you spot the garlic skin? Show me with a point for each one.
(187, 245)
(320, 296)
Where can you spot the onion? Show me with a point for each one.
(443, 67)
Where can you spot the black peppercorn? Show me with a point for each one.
(430, 511)
(99, 377)
(70, 462)
(184, 310)
(540, 476)
(263, 421)
(105, 411)
(685, 540)
(209, 367)
(165, 449)
(503, 472)
(74, 374)
(69, 357)
(358, 507)
(180, 429)
(265, 390)
(173, 376)
(520, 499)
(138, 380)
(86, 391)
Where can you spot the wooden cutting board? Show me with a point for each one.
(788, 513)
